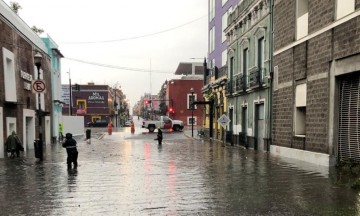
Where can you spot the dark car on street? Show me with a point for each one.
(98, 123)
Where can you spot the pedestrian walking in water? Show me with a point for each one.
(71, 150)
(159, 136)
(13, 145)
(61, 135)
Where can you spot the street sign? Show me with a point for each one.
(38, 86)
(223, 120)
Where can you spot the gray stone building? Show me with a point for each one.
(316, 80)
(249, 62)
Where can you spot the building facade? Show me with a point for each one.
(179, 99)
(96, 102)
(316, 80)
(55, 56)
(248, 86)
(215, 76)
(18, 104)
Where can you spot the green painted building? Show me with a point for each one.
(248, 89)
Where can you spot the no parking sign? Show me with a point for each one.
(38, 86)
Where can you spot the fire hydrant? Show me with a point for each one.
(110, 125)
(132, 127)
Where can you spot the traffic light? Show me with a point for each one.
(77, 87)
(147, 102)
(171, 110)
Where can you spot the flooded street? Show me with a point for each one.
(126, 174)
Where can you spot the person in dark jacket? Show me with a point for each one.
(159, 136)
(13, 145)
(71, 150)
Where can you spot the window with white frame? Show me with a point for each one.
(302, 18)
(344, 7)
(261, 56)
(190, 99)
(260, 52)
(224, 25)
(212, 9)
(300, 110)
(212, 39)
(245, 61)
(9, 75)
(190, 120)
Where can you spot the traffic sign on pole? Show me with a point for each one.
(223, 120)
(38, 86)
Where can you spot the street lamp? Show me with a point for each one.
(37, 61)
(192, 111)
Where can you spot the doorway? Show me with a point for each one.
(259, 126)
(244, 126)
(349, 118)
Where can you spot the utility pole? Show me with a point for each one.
(70, 91)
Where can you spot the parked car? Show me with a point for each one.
(127, 124)
(98, 123)
(163, 122)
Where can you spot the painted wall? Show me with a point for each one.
(74, 125)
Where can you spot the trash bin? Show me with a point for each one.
(88, 134)
(38, 149)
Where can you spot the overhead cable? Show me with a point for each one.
(118, 67)
(135, 37)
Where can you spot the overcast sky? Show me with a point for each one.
(73, 23)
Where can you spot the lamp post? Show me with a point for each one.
(37, 61)
(192, 111)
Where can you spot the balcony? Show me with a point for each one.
(81, 112)
(207, 79)
(228, 88)
(223, 71)
(240, 83)
(255, 77)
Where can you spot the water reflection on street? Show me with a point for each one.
(127, 174)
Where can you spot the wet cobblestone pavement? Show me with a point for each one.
(126, 174)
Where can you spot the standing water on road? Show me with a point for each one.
(126, 174)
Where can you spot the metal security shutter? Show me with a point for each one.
(349, 119)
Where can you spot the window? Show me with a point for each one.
(260, 53)
(81, 104)
(212, 39)
(224, 25)
(190, 100)
(212, 9)
(300, 110)
(9, 75)
(245, 63)
(224, 57)
(260, 57)
(302, 18)
(190, 120)
(344, 7)
(232, 69)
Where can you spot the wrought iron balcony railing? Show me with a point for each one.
(240, 83)
(256, 77)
